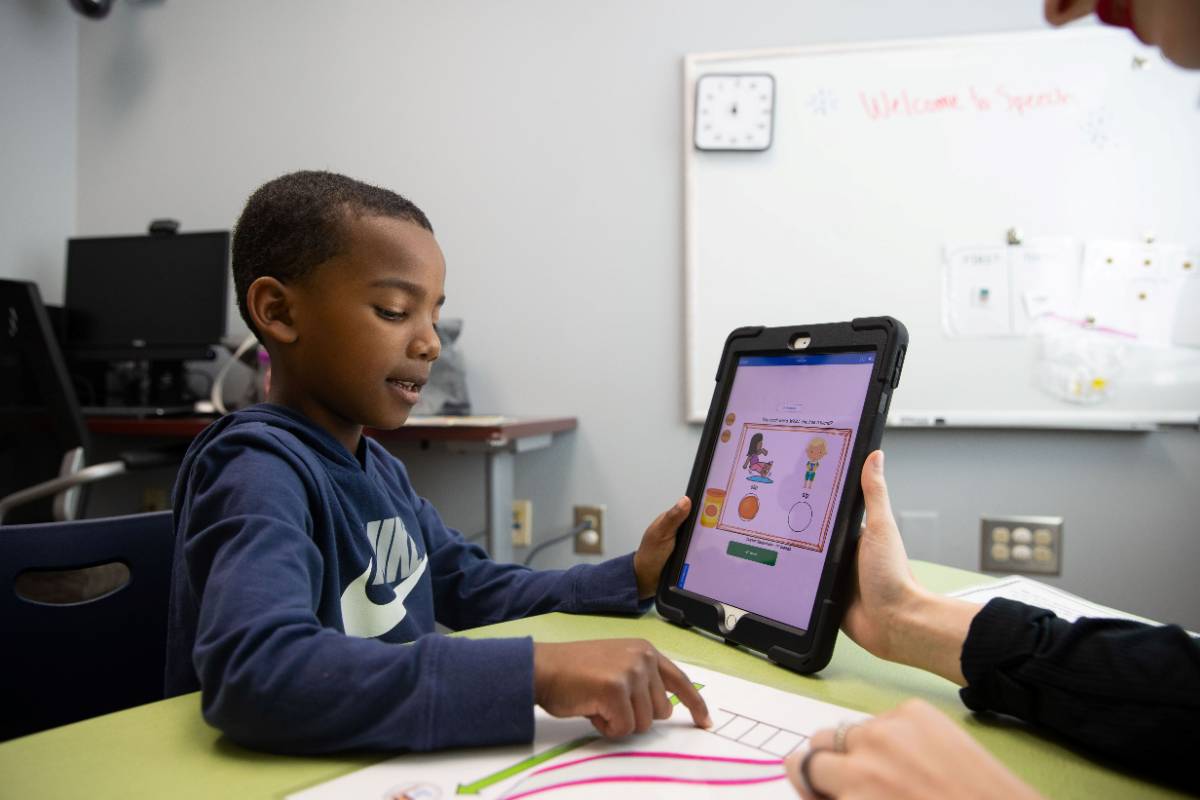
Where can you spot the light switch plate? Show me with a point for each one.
(1021, 544)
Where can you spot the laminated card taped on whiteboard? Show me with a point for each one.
(1135, 289)
(1139, 289)
(740, 757)
(1001, 290)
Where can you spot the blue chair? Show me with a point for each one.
(65, 662)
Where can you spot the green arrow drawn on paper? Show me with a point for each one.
(521, 766)
(478, 786)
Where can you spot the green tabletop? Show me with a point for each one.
(165, 749)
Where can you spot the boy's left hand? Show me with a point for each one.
(657, 543)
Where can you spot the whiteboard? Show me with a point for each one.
(884, 154)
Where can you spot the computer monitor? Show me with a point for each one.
(153, 298)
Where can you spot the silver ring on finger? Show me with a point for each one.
(840, 734)
(806, 780)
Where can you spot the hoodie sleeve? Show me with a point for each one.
(272, 677)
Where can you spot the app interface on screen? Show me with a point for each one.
(772, 492)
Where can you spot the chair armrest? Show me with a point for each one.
(96, 472)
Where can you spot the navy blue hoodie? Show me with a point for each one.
(306, 585)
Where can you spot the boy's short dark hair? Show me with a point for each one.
(297, 221)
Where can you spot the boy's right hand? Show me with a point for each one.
(620, 685)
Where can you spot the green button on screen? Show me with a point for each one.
(760, 554)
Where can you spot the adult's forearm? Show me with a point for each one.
(928, 633)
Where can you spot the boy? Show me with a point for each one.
(304, 558)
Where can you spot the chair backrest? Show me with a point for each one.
(40, 418)
(66, 662)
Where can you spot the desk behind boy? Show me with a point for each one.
(497, 439)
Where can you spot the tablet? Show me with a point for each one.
(763, 560)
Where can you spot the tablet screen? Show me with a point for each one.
(773, 489)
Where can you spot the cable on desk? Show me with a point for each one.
(578, 529)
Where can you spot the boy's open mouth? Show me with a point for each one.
(409, 391)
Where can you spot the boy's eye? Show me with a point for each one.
(389, 314)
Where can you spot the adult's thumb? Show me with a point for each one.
(875, 491)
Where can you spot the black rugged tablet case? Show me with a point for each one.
(804, 651)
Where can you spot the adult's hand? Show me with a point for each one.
(890, 615)
(911, 753)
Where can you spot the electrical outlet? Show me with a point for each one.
(1021, 544)
(590, 541)
(522, 523)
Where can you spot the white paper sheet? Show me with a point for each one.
(1135, 287)
(999, 290)
(740, 757)
(1035, 593)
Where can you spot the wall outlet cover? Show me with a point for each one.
(587, 543)
(1021, 544)
(522, 523)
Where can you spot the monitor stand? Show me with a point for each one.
(168, 384)
(135, 388)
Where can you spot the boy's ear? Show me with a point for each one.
(270, 305)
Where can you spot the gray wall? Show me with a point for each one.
(542, 138)
(38, 90)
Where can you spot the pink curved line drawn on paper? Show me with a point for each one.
(647, 779)
(757, 762)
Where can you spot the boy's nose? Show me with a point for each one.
(427, 346)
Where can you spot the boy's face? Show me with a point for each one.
(365, 328)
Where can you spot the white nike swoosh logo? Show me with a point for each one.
(361, 617)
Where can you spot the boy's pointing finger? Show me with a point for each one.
(675, 681)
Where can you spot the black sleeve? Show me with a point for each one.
(1122, 690)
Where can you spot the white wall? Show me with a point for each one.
(38, 91)
(543, 138)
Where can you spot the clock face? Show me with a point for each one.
(734, 112)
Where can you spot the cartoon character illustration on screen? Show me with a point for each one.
(759, 469)
(816, 450)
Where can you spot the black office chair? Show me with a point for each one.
(70, 661)
(44, 441)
